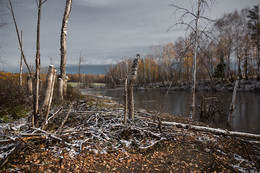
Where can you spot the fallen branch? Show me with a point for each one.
(10, 154)
(50, 119)
(212, 130)
(54, 137)
(62, 124)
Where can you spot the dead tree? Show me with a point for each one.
(80, 61)
(232, 105)
(63, 47)
(18, 36)
(125, 101)
(195, 52)
(37, 66)
(48, 93)
(130, 87)
(49, 87)
(29, 85)
(21, 63)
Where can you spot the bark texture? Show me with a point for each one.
(49, 87)
(130, 87)
(193, 113)
(212, 130)
(63, 47)
(60, 89)
(30, 85)
(49, 93)
(37, 66)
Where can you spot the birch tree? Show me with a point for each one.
(201, 4)
(63, 47)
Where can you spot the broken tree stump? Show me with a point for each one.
(130, 87)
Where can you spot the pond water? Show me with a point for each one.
(246, 115)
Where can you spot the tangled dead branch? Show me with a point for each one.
(97, 130)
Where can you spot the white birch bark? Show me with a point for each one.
(195, 51)
(63, 46)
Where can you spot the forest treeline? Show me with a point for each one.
(228, 50)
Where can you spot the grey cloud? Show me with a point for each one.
(105, 31)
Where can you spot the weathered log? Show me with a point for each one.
(212, 130)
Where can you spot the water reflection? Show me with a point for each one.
(246, 115)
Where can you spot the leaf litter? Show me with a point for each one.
(94, 139)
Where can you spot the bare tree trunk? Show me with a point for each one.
(246, 64)
(258, 56)
(232, 105)
(37, 66)
(49, 87)
(18, 36)
(51, 80)
(193, 112)
(239, 66)
(21, 63)
(29, 84)
(125, 101)
(63, 47)
(130, 87)
(80, 61)
(60, 89)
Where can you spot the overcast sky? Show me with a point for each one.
(105, 31)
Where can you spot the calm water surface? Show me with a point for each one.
(246, 115)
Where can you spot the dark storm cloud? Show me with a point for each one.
(105, 31)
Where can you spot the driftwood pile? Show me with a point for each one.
(78, 129)
(98, 130)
